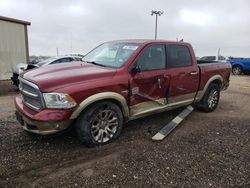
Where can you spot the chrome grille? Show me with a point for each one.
(31, 95)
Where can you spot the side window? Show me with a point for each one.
(56, 61)
(62, 60)
(178, 56)
(152, 58)
(78, 59)
(65, 60)
(211, 58)
(221, 58)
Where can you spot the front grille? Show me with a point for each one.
(31, 95)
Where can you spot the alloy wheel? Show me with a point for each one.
(213, 98)
(104, 126)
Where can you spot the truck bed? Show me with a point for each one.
(214, 68)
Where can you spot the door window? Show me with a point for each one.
(65, 60)
(62, 60)
(152, 58)
(178, 56)
(208, 58)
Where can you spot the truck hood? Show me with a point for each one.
(52, 77)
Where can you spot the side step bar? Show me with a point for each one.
(165, 131)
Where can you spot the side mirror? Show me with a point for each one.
(135, 69)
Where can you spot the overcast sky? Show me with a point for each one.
(207, 25)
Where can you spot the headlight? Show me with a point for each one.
(58, 100)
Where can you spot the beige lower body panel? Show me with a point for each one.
(151, 107)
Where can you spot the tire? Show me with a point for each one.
(210, 100)
(237, 70)
(100, 124)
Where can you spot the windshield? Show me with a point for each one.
(111, 54)
(46, 61)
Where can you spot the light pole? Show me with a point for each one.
(157, 13)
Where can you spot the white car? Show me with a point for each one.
(52, 60)
(57, 60)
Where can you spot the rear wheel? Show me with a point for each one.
(237, 70)
(210, 99)
(99, 124)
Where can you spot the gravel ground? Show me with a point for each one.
(206, 150)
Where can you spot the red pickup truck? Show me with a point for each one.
(117, 82)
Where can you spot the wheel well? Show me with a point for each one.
(237, 65)
(110, 100)
(217, 82)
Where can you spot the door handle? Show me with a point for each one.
(166, 76)
(159, 82)
(193, 73)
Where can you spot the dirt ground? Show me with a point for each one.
(206, 150)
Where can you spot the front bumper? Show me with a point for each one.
(45, 122)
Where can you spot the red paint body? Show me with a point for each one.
(81, 80)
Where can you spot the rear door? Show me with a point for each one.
(149, 87)
(183, 73)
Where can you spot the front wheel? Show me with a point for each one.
(99, 124)
(210, 99)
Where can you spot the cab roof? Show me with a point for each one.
(145, 41)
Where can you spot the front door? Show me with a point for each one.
(149, 86)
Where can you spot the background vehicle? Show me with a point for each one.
(57, 60)
(119, 81)
(212, 58)
(53, 60)
(240, 65)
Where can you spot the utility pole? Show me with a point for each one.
(157, 13)
(71, 43)
(218, 55)
(57, 53)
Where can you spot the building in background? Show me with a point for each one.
(14, 46)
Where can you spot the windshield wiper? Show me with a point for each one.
(93, 62)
